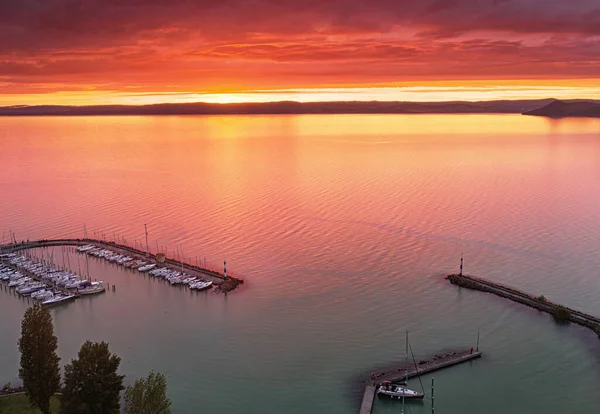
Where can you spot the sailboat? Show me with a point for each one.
(392, 390)
(400, 391)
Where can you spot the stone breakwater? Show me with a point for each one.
(559, 312)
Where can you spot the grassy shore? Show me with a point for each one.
(19, 404)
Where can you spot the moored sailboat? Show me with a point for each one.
(400, 390)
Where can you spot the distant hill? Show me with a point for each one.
(273, 108)
(561, 109)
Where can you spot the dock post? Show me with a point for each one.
(432, 397)
(477, 348)
(461, 264)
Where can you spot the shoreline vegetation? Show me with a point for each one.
(527, 107)
(90, 383)
(18, 403)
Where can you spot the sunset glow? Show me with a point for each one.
(81, 52)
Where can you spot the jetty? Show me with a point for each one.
(225, 282)
(413, 370)
(560, 312)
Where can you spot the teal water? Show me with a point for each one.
(342, 227)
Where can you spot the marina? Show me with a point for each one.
(158, 265)
(44, 283)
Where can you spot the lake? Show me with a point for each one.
(343, 227)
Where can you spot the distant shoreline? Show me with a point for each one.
(301, 108)
(285, 108)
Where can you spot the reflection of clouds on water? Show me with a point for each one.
(335, 141)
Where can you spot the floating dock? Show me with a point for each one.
(540, 303)
(410, 371)
(224, 283)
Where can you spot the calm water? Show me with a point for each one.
(342, 227)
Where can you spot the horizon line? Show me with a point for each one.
(292, 101)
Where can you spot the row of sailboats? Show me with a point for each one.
(174, 277)
(43, 282)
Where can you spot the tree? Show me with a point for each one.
(39, 370)
(562, 314)
(92, 385)
(148, 396)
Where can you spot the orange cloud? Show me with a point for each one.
(209, 46)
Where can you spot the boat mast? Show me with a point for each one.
(405, 373)
(432, 398)
(181, 260)
(147, 248)
(87, 268)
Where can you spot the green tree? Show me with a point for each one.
(562, 314)
(92, 385)
(148, 396)
(39, 369)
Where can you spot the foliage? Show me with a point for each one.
(92, 385)
(562, 314)
(597, 330)
(39, 369)
(542, 298)
(148, 396)
(19, 404)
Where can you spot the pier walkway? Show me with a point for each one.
(540, 303)
(410, 371)
(225, 283)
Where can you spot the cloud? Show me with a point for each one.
(165, 44)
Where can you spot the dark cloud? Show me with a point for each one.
(49, 24)
(125, 41)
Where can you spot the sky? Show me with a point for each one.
(148, 51)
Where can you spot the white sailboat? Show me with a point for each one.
(146, 267)
(400, 391)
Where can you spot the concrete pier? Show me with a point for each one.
(368, 398)
(410, 371)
